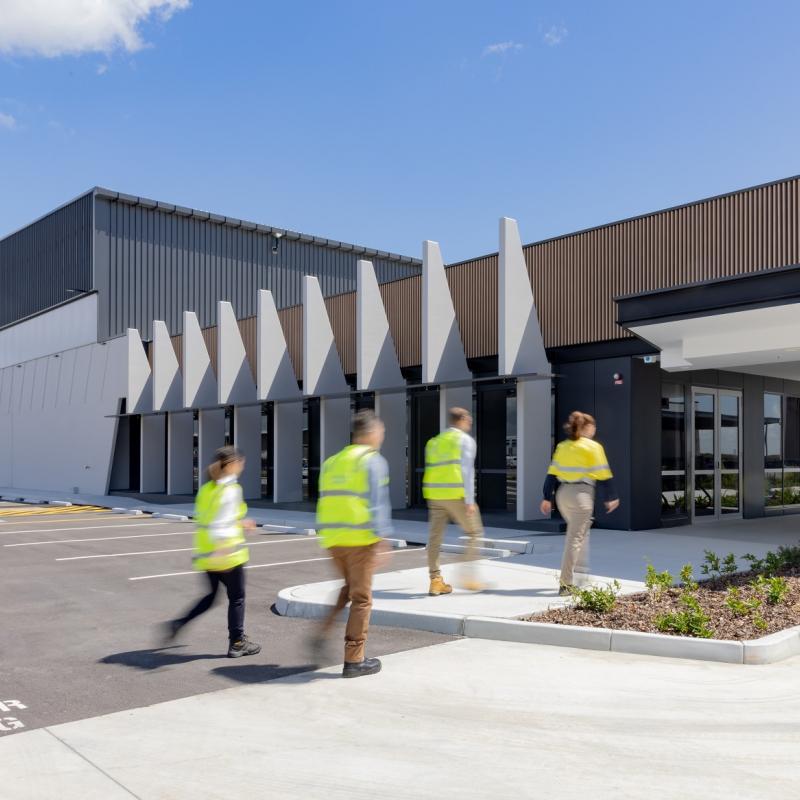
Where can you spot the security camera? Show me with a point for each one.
(277, 234)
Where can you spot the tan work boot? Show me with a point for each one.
(438, 586)
(473, 585)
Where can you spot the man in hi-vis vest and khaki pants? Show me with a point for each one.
(448, 486)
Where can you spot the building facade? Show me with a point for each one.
(678, 330)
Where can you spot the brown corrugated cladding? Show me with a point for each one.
(342, 314)
(403, 302)
(247, 329)
(292, 323)
(210, 338)
(575, 278)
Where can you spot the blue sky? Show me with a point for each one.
(388, 123)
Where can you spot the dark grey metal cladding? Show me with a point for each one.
(41, 263)
(157, 261)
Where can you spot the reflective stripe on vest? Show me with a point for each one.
(212, 554)
(580, 460)
(344, 518)
(443, 479)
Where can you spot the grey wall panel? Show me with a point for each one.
(154, 264)
(40, 263)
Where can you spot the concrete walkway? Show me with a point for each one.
(466, 719)
(526, 584)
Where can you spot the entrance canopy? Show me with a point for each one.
(748, 323)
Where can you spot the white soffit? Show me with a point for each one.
(199, 382)
(520, 344)
(140, 398)
(377, 363)
(442, 349)
(166, 370)
(235, 382)
(276, 375)
(738, 339)
(322, 369)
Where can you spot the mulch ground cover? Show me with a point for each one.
(638, 612)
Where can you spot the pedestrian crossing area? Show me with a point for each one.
(8, 510)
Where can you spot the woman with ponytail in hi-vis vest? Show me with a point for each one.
(220, 548)
(579, 469)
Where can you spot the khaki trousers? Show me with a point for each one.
(356, 565)
(442, 512)
(575, 501)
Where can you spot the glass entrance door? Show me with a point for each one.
(716, 453)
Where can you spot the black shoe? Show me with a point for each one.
(243, 647)
(355, 669)
(169, 631)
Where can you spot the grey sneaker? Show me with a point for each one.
(243, 647)
(355, 669)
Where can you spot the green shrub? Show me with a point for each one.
(597, 598)
(687, 578)
(740, 606)
(657, 582)
(773, 589)
(716, 567)
(693, 621)
(773, 562)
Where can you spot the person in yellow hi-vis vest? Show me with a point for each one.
(220, 548)
(578, 469)
(353, 517)
(448, 486)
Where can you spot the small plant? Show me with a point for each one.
(756, 564)
(657, 582)
(729, 565)
(687, 579)
(773, 589)
(693, 621)
(600, 599)
(739, 605)
(711, 565)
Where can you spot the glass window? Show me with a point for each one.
(673, 450)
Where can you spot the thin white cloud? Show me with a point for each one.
(53, 28)
(501, 48)
(555, 35)
(7, 121)
(102, 69)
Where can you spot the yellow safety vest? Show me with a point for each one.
(344, 518)
(579, 460)
(443, 479)
(211, 555)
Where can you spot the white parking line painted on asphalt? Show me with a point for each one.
(101, 539)
(174, 550)
(117, 517)
(263, 566)
(87, 528)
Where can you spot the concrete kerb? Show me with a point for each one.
(62, 503)
(514, 545)
(484, 552)
(175, 517)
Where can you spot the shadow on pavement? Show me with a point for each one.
(259, 673)
(157, 657)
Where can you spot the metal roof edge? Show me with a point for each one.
(47, 214)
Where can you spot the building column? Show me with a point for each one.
(458, 395)
(334, 426)
(180, 428)
(247, 437)
(533, 445)
(153, 463)
(287, 453)
(391, 408)
(211, 436)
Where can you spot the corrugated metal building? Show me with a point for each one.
(152, 260)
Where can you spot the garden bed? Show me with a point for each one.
(728, 605)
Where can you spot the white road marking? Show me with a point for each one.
(175, 550)
(100, 539)
(87, 528)
(263, 566)
(91, 518)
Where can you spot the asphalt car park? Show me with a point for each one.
(85, 593)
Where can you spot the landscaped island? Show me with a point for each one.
(728, 604)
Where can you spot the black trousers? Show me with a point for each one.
(233, 580)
